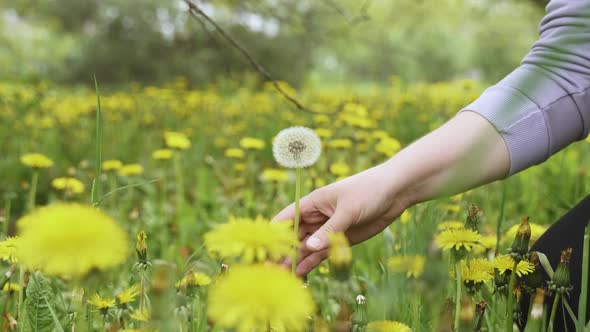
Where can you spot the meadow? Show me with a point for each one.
(168, 227)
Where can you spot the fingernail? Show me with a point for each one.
(313, 243)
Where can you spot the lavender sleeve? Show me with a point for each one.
(544, 105)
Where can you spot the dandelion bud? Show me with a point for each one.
(520, 246)
(535, 321)
(340, 255)
(359, 317)
(472, 220)
(141, 247)
(561, 278)
(534, 279)
(480, 309)
(537, 310)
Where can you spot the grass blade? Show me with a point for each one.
(98, 157)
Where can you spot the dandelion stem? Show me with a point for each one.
(584, 290)
(510, 303)
(553, 311)
(296, 219)
(458, 295)
(33, 191)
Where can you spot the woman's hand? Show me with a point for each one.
(361, 206)
(464, 153)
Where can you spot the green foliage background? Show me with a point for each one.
(153, 41)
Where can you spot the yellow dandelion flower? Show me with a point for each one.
(102, 304)
(11, 287)
(250, 143)
(479, 270)
(195, 279)
(8, 249)
(235, 153)
(339, 251)
(388, 146)
(70, 239)
(457, 239)
(339, 143)
(162, 154)
(450, 224)
(405, 217)
(250, 298)
(251, 240)
(36, 160)
(324, 133)
(340, 169)
(387, 326)
(176, 140)
(413, 266)
(536, 232)
(240, 167)
(274, 174)
(140, 315)
(489, 241)
(450, 207)
(131, 170)
(128, 295)
(111, 165)
(506, 263)
(68, 184)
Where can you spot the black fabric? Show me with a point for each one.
(567, 232)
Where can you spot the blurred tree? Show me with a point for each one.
(153, 41)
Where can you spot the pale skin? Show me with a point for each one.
(464, 153)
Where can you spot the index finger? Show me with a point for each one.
(308, 212)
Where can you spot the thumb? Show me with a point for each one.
(339, 222)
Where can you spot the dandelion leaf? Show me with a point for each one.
(40, 306)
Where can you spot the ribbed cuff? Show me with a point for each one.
(520, 122)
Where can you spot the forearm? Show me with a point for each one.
(464, 153)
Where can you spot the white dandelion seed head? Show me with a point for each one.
(297, 147)
(361, 299)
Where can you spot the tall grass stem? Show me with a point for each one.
(584, 290)
(98, 146)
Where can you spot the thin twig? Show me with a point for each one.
(195, 12)
(352, 20)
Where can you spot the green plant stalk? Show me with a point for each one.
(296, 219)
(33, 191)
(98, 144)
(510, 302)
(21, 295)
(458, 295)
(7, 207)
(553, 311)
(179, 182)
(584, 290)
(500, 217)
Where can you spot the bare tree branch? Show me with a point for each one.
(195, 12)
(352, 20)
